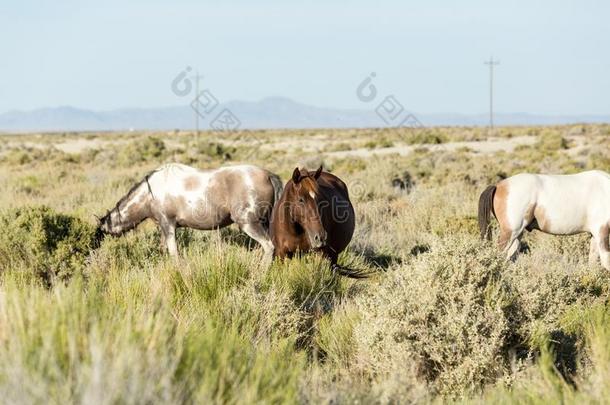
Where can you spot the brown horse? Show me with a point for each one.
(314, 213)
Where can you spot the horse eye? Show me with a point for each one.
(301, 199)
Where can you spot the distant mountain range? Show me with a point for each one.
(275, 112)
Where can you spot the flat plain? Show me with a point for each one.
(443, 317)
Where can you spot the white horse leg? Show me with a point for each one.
(604, 249)
(512, 249)
(594, 250)
(169, 230)
(256, 231)
(509, 242)
(162, 242)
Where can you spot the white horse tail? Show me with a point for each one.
(486, 206)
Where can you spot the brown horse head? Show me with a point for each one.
(302, 196)
(314, 213)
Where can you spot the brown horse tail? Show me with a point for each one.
(486, 207)
(350, 273)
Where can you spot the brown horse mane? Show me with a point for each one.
(311, 183)
(308, 183)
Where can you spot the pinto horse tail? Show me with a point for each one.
(486, 208)
(278, 187)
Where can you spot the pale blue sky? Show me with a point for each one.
(555, 55)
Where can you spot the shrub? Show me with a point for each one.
(27, 155)
(458, 225)
(30, 185)
(551, 140)
(446, 318)
(149, 149)
(424, 136)
(215, 150)
(599, 161)
(379, 143)
(544, 383)
(547, 296)
(44, 242)
(199, 150)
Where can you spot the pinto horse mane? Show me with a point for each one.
(131, 191)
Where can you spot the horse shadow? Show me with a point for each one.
(419, 249)
(566, 355)
(381, 262)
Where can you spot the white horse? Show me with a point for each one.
(554, 204)
(176, 195)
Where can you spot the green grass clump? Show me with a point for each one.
(118, 338)
(335, 336)
(229, 368)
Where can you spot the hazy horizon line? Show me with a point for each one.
(292, 100)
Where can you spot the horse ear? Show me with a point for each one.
(296, 175)
(318, 173)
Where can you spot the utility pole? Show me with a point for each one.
(491, 63)
(197, 77)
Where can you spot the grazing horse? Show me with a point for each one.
(176, 195)
(554, 204)
(314, 213)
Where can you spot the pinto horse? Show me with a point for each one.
(314, 213)
(554, 204)
(177, 195)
